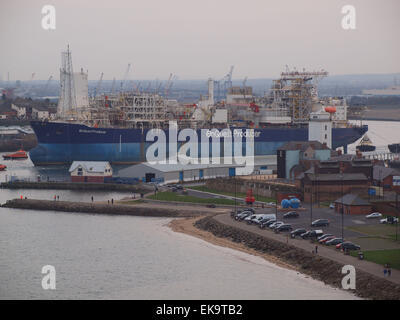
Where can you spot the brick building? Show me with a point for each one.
(319, 187)
(344, 164)
(383, 177)
(352, 204)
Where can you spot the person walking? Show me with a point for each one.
(112, 200)
(316, 249)
(92, 199)
(389, 270)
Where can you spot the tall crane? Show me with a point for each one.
(168, 85)
(98, 87)
(47, 83)
(113, 86)
(244, 87)
(28, 91)
(226, 82)
(125, 76)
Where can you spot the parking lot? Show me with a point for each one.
(354, 226)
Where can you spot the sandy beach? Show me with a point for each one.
(186, 225)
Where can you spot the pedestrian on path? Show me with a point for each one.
(58, 198)
(55, 197)
(92, 198)
(316, 249)
(112, 200)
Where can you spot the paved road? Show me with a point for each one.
(323, 251)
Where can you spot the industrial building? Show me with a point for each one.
(173, 173)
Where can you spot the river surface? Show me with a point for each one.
(105, 257)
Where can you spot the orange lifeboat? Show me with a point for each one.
(2, 167)
(330, 109)
(20, 154)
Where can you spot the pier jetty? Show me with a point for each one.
(139, 209)
(137, 188)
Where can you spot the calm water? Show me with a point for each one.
(104, 257)
(381, 133)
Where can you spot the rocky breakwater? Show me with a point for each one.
(99, 208)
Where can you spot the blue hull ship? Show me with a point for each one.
(62, 143)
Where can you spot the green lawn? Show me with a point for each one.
(232, 194)
(377, 230)
(173, 196)
(392, 257)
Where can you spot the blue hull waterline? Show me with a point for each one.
(62, 143)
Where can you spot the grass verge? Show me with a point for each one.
(173, 196)
(232, 194)
(392, 257)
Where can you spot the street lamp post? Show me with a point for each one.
(312, 190)
(342, 208)
(234, 178)
(397, 213)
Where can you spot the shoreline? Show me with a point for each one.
(187, 226)
(318, 268)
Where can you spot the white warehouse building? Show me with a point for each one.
(166, 173)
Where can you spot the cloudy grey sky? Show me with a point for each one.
(198, 39)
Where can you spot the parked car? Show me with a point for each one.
(297, 232)
(374, 215)
(324, 236)
(291, 214)
(275, 224)
(284, 227)
(267, 223)
(332, 206)
(264, 217)
(252, 218)
(312, 234)
(326, 239)
(242, 215)
(389, 220)
(249, 209)
(320, 223)
(334, 241)
(349, 246)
